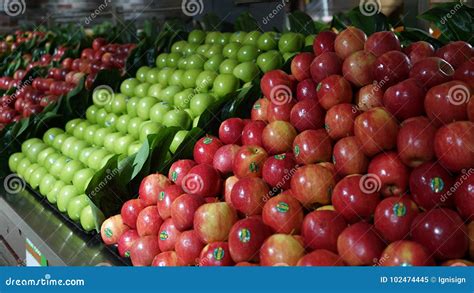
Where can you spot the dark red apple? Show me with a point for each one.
(216, 254)
(464, 194)
(307, 114)
(202, 180)
(306, 90)
(418, 51)
(230, 131)
(357, 68)
(213, 221)
(280, 110)
(324, 65)
(246, 237)
(369, 96)
(259, 111)
(392, 173)
(166, 199)
(277, 82)
(205, 148)
(390, 68)
(334, 90)
(320, 257)
(278, 136)
(360, 245)
(431, 71)
(393, 217)
(281, 249)
(348, 157)
(252, 133)
(179, 170)
(300, 65)
(324, 42)
(415, 141)
(144, 250)
(248, 161)
(447, 102)
(355, 197)
(465, 73)
(278, 170)
(188, 248)
(454, 145)
(312, 146)
(405, 253)
(166, 259)
(405, 99)
(183, 209)
(321, 228)
(248, 195)
(168, 235)
(149, 222)
(224, 158)
(349, 41)
(283, 213)
(442, 232)
(126, 241)
(312, 184)
(379, 43)
(455, 53)
(130, 211)
(339, 120)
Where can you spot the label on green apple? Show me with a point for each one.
(282, 207)
(437, 184)
(244, 235)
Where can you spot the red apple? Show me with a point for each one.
(360, 245)
(465, 73)
(179, 170)
(348, 157)
(166, 199)
(183, 209)
(213, 221)
(454, 145)
(355, 197)
(246, 237)
(188, 248)
(464, 194)
(306, 90)
(280, 110)
(312, 146)
(405, 99)
(334, 90)
(259, 111)
(252, 133)
(442, 232)
(144, 250)
(339, 120)
(393, 217)
(205, 148)
(405, 253)
(166, 259)
(447, 102)
(379, 43)
(149, 222)
(432, 71)
(307, 114)
(202, 180)
(418, 51)
(300, 65)
(228, 185)
(324, 42)
(150, 188)
(357, 68)
(224, 158)
(324, 65)
(321, 228)
(248, 161)
(320, 257)
(230, 131)
(369, 96)
(278, 170)
(415, 141)
(349, 41)
(168, 235)
(377, 130)
(281, 249)
(126, 241)
(216, 254)
(390, 68)
(112, 229)
(429, 186)
(130, 211)
(455, 53)
(392, 173)
(312, 184)
(248, 195)
(276, 85)
(283, 213)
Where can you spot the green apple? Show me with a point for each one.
(227, 66)
(161, 60)
(167, 94)
(177, 118)
(214, 50)
(238, 37)
(37, 176)
(76, 205)
(71, 124)
(119, 104)
(195, 61)
(147, 128)
(213, 63)
(158, 111)
(47, 184)
(202, 49)
(128, 86)
(77, 148)
(248, 53)
(141, 90)
(70, 169)
(91, 113)
(309, 40)
(80, 129)
(178, 47)
(52, 195)
(34, 150)
(67, 145)
(132, 106)
(175, 79)
(152, 76)
(246, 71)
(189, 78)
(224, 39)
(50, 135)
(181, 100)
(134, 148)
(190, 50)
(15, 159)
(85, 154)
(290, 42)
(134, 127)
(269, 61)
(251, 38)
(28, 143)
(49, 162)
(196, 121)
(196, 37)
(230, 50)
(41, 159)
(267, 41)
(165, 75)
(110, 120)
(122, 143)
(82, 178)
(110, 141)
(173, 58)
(88, 219)
(30, 171)
(142, 72)
(155, 90)
(144, 106)
(177, 140)
(59, 166)
(190, 113)
(23, 165)
(200, 102)
(100, 135)
(122, 123)
(225, 84)
(89, 134)
(205, 80)
(59, 140)
(183, 63)
(101, 116)
(95, 159)
(65, 195)
(212, 37)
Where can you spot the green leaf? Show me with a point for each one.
(410, 35)
(245, 22)
(301, 22)
(211, 22)
(369, 24)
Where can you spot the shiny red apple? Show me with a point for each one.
(348, 157)
(312, 146)
(183, 209)
(283, 213)
(321, 228)
(213, 221)
(246, 237)
(312, 184)
(393, 217)
(281, 249)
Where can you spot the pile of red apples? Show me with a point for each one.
(362, 156)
